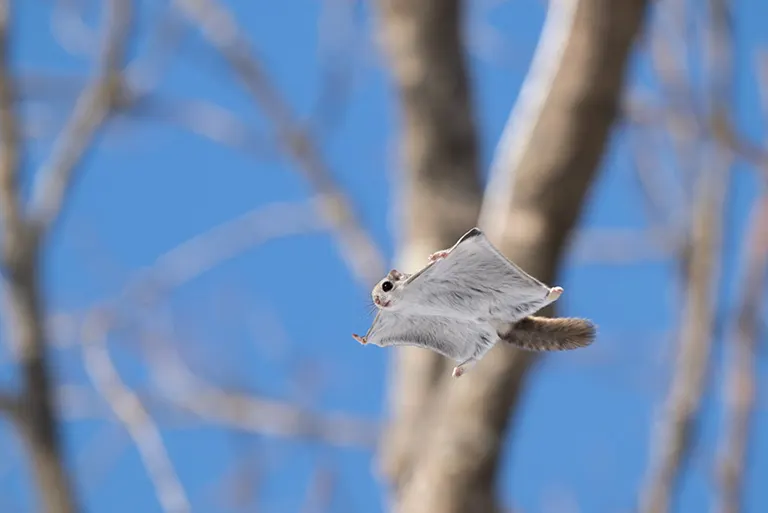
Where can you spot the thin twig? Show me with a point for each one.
(175, 405)
(703, 274)
(21, 257)
(221, 30)
(131, 412)
(740, 379)
(209, 249)
(321, 490)
(200, 117)
(180, 388)
(69, 28)
(92, 108)
(184, 390)
(689, 378)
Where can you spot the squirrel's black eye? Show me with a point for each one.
(386, 286)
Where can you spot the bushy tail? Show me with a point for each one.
(544, 334)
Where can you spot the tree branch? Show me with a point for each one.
(439, 193)
(255, 414)
(10, 208)
(740, 379)
(21, 244)
(221, 30)
(456, 466)
(92, 108)
(689, 379)
(9, 404)
(673, 439)
(131, 412)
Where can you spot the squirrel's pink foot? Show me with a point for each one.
(360, 339)
(438, 255)
(458, 371)
(554, 294)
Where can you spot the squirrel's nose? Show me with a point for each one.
(377, 300)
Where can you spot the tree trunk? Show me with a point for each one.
(455, 466)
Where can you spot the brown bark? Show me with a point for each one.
(439, 190)
(34, 410)
(22, 243)
(455, 466)
(39, 422)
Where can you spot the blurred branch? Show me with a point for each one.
(666, 203)
(22, 237)
(221, 30)
(10, 208)
(553, 153)
(606, 246)
(131, 412)
(69, 28)
(200, 117)
(722, 130)
(209, 249)
(321, 490)
(740, 379)
(673, 439)
(207, 120)
(176, 404)
(741, 375)
(523, 118)
(9, 405)
(439, 192)
(92, 108)
(143, 73)
(182, 389)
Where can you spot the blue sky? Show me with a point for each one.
(147, 188)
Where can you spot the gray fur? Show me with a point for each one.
(475, 282)
(455, 339)
(458, 304)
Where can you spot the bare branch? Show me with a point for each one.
(200, 117)
(741, 375)
(9, 404)
(10, 209)
(131, 412)
(206, 250)
(40, 426)
(221, 30)
(686, 126)
(439, 192)
(180, 388)
(455, 467)
(740, 379)
(523, 119)
(253, 414)
(673, 439)
(176, 404)
(183, 389)
(321, 491)
(688, 384)
(92, 108)
(70, 29)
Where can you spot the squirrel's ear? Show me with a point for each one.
(395, 275)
